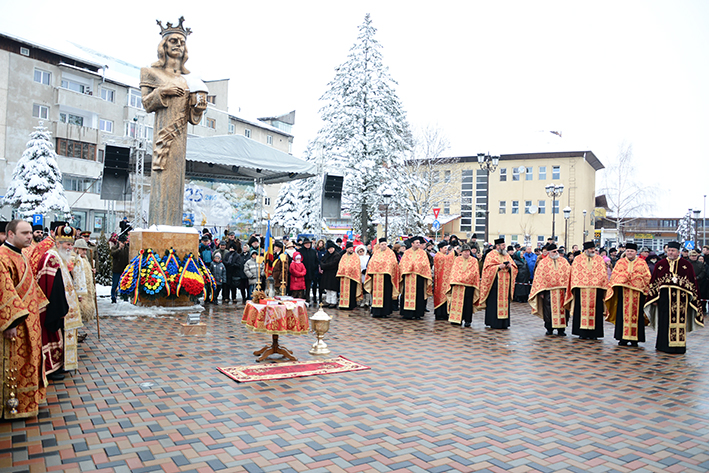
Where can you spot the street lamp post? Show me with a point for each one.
(487, 163)
(387, 195)
(554, 191)
(585, 233)
(696, 228)
(567, 214)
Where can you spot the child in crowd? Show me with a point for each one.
(219, 272)
(297, 276)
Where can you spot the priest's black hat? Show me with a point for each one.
(475, 235)
(53, 226)
(419, 239)
(510, 248)
(499, 240)
(674, 244)
(588, 245)
(442, 244)
(306, 240)
(631, 246)
(349, 244)
(464, 248)
(550, 247)
(382, 240)
(37, 227)
(278, 244)
(331, 244)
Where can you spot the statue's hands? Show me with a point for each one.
(172, 91)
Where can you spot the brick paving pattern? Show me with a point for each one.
(438, 398)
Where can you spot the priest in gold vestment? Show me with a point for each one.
(349, 272)
(497, 286)
(19, 319)
(551, 277)
(463, 288)
(625, 300)
(442, 265)
(586, 292)
(416, 282)
(382, 279)
(673, 305)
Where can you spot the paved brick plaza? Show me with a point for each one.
(438, 398)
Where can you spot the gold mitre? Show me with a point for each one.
(65, 233)
(174, 29)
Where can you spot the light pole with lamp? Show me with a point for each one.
(487, 163)
(554, 191)
(567, 214)
(585, 233)
(696, 228)
(387, 195)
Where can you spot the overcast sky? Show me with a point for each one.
(492, 75)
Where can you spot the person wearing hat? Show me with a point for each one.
(281, 263)
(442, 265)
(84, 284)
(548, 289)
(310, 260)
(62, 317)
(22, 300)
(586, 292)
(329, 264)
(37, 234)
(416, 283)
(382, 279)
(625, 299)
(673, 305)
(497, 286)
(463, 288)
(349, 273)
(474, 242)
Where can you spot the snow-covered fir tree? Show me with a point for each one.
(36, 186)
(288, 210)
(685, 230)
(365, 129)
(105, 261)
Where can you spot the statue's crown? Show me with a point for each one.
(174, 29)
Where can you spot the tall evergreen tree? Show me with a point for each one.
(36, 186)
(104, 272)
(287, 208)
(365, 129)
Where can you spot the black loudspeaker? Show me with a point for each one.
(332, 196)
(115, 184)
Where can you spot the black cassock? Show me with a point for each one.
(388, 304)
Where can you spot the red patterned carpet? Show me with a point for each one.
(293, 369)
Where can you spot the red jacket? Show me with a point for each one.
(297, 274)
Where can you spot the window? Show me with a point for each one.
(503, 174)
(135, 99)
(266, 201)
(99, 221)
(542, 173)
(527, 206)
(503, 207)
(76, 149)
(435, 176)
(25, 51)
(231, 128)
(466, 207)
(75, 86)
(446, 176)
(529, 175)
(131, 129)
(108, 95)
(81, 184)
(40, 111)
(515, 206)
(42, 77)
(514, 239)
(501, 236)
(556, 172)
(105, 125)
(515, 174)
(269, 139)
(540, 240)
(101, 155)
(446, 207)
(542, 206)
(247, 133)
(555, 206)
(212, 99)
(71, 119)
(211, 123)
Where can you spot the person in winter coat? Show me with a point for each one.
(361, 251)
(310, 260)
(221, 250)
(219, 272)
(297, 276)
(522, 283)
(531, 258)
(329, 265)
(317, 284)
(251, 271)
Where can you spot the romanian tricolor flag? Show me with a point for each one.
(268, 257)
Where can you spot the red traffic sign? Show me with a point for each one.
(436, 211)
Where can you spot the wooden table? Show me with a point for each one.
(288, 317)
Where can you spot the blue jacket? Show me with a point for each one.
(531, 259)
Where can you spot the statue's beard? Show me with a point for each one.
(65, 254)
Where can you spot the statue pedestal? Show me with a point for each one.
(181, 239)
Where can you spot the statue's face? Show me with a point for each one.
(175, 46)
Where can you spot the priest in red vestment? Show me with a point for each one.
(586, 292)
(497, 286)
(625, 300)
(19, 321)
(442, 265)
(463, 288)
(382, 279)
(349, 273)
(551, 277)
(673, 305)
(416, 282)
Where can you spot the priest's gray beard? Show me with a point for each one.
(554, 256)
(672, 259)
(502, 252)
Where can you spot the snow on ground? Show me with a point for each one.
(129, 311)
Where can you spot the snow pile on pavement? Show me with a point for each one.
(130, 312)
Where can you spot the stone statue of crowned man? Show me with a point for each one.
(177, 98)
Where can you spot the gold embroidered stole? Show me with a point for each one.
(558, 314)
(455, 307)
(587, 296)
(410, 296)
(503, 294)
(345, 292)
(378, 290)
